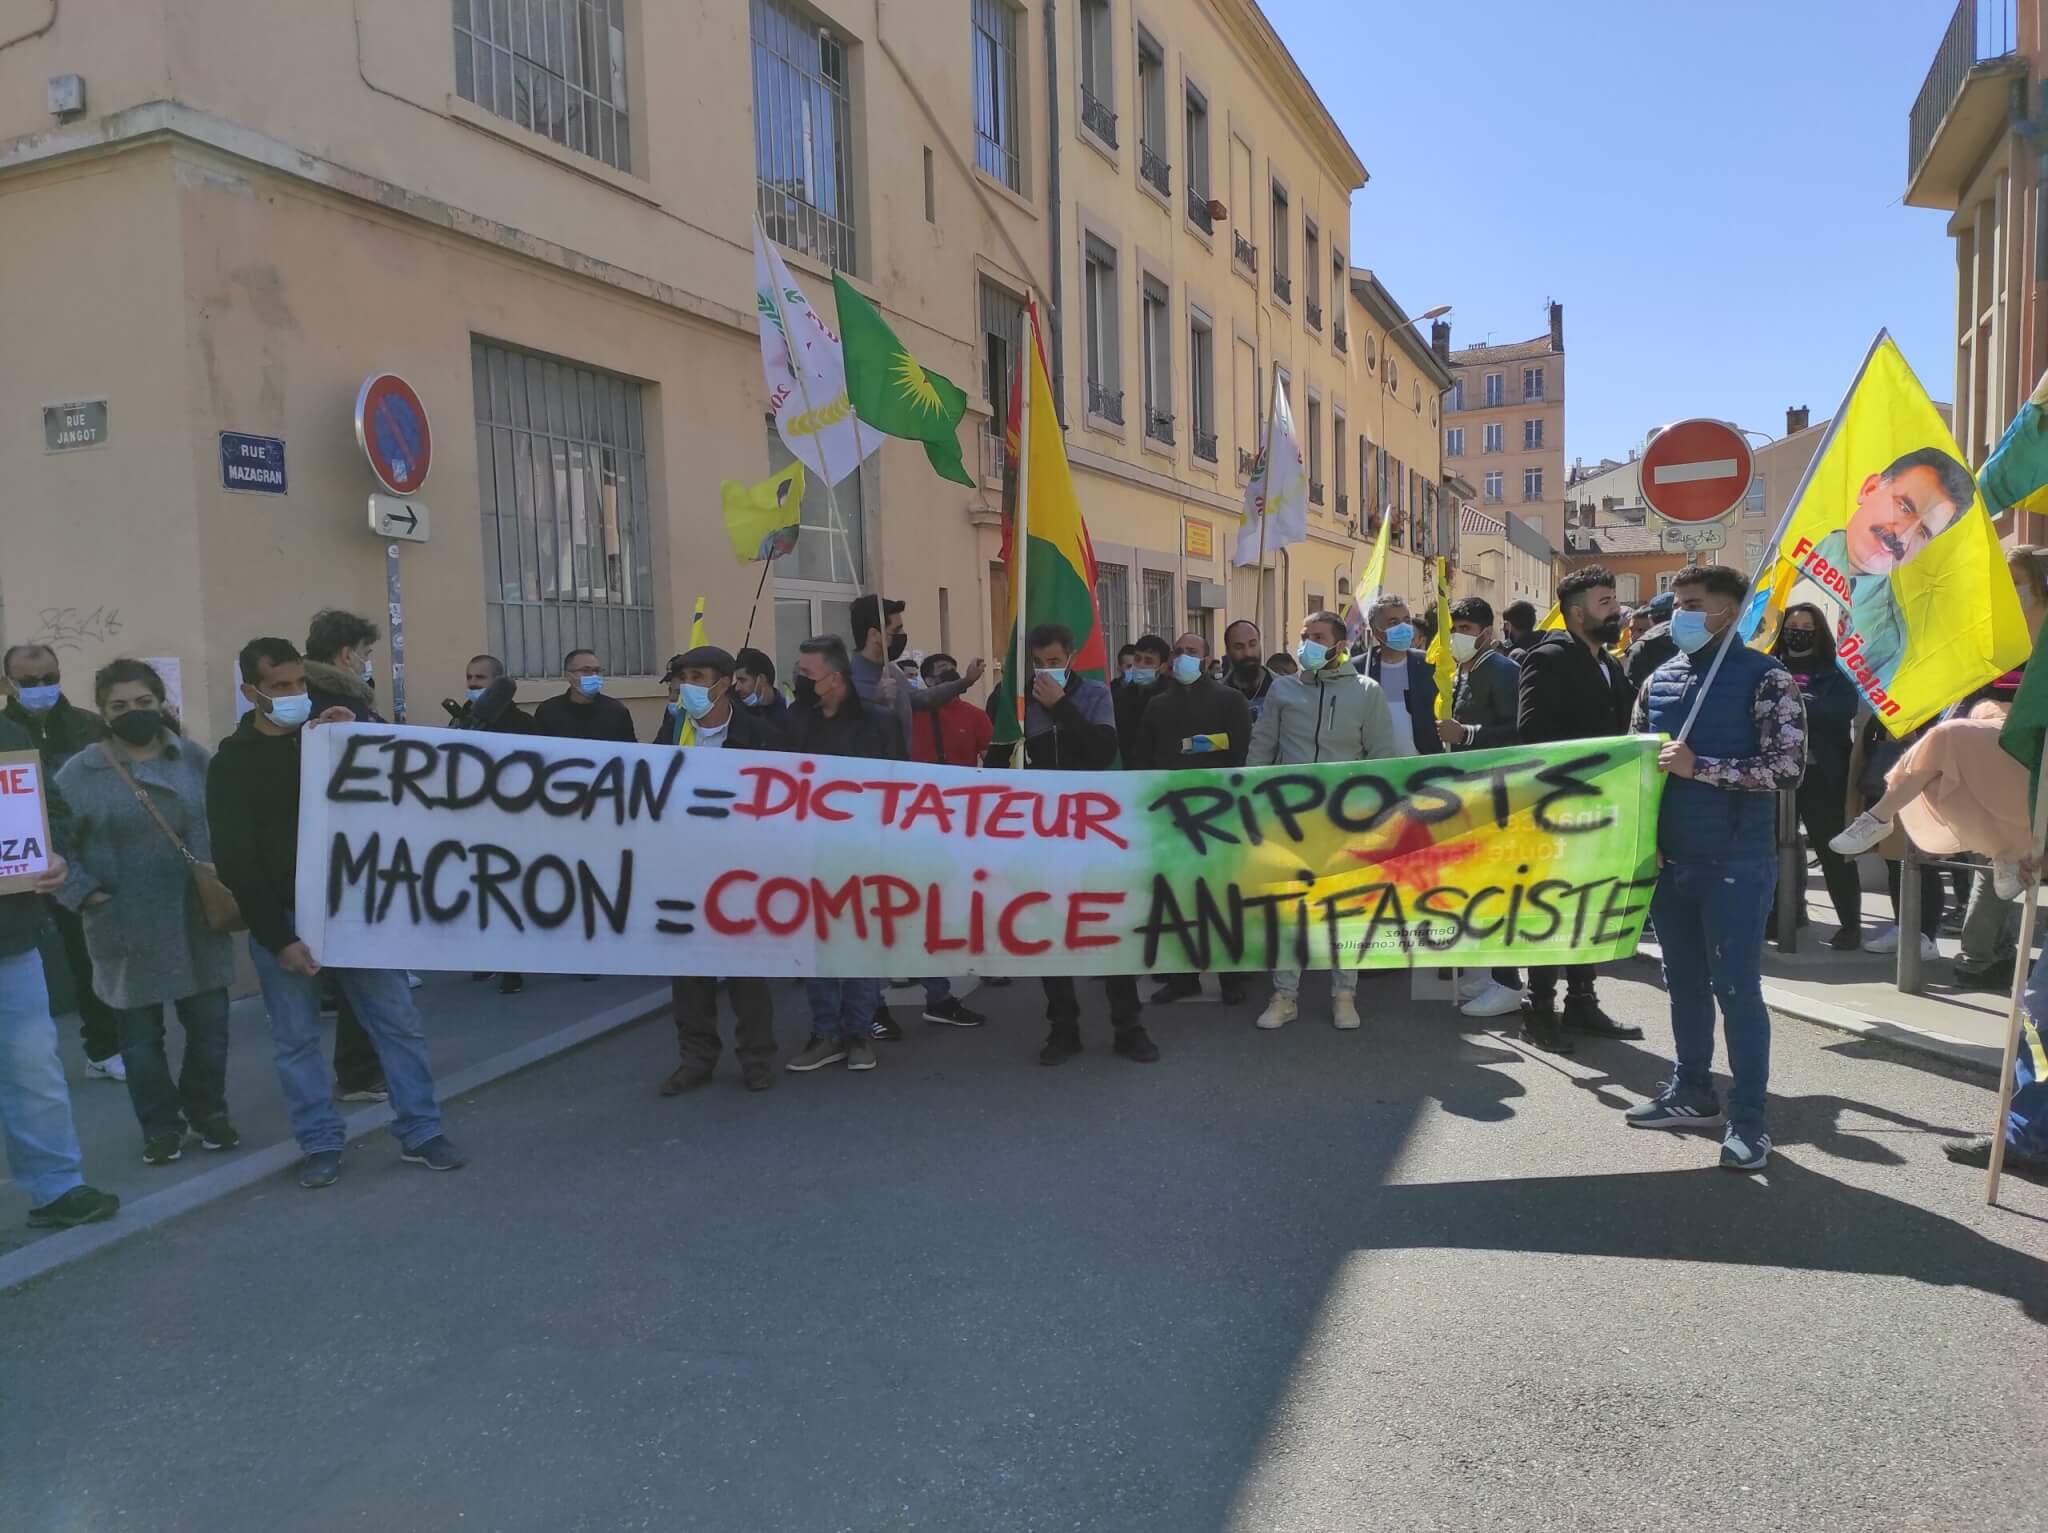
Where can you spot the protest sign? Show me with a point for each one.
(24, 821)
(437, 849)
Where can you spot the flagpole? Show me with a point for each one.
(2019, 995)
(755, 611)
(1264, 434)
(1020, 526)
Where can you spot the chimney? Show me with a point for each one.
(1440, 340)
(1797, 418)
(1557, 327)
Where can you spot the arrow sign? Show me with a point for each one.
(406, 520)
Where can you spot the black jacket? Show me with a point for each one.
(1421, 696)
(252, 814)
(602, 718)
(750, 729)
(855, 730)
(1831, 703)
(57, 734)
(1179, 716)
(1647, 653)
(1485, 700)
(331, 687)
(1569, 693)
(1076, 734)
(1129, 704)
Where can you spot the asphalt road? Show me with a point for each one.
(1403, 1278)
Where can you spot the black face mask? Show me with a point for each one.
(1607, 632)
(807, 691)
(943, 678)
(138, 726)
(1801, 643)
(898, 643)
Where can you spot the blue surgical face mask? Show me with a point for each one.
(1187, 668)
(475, 693)
(1127, 671)
(696, 700)
(1312, 654)
(1400, 636)
(291, 712)
(1143, 675)
(753, 699)
(40, 699)
(1689, 630)
(590, 685)
(1058, 673)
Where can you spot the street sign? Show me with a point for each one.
(82, 423)
(391, 426)
(1681, 538)
(405, 520)
(252, 464)
(1696, 471)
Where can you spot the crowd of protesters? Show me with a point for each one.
(165, 847)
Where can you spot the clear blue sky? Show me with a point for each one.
(1712, 191)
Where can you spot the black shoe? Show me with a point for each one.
(511, 984)
(437, 1154)
(756, 1075)
(951, 1013)
(320, 1168)
(1180, 987)
(1061, 1044)
(81, 1205)
(1232, 992)
(1539, 1027)
(1135, 1043)
(1846, 941)
(216, 1133)
(684, 1078)
(162, 1149)
(1582, 1014)
(883, 1028)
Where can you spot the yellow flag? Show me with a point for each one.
(762, 519)
(1441, 660)
(1553, 619)
(1370, 579)
(686, 727)
(1889, 535)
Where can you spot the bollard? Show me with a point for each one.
(1909, 979)
(1791, 901)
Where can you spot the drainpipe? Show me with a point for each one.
(1052, 191)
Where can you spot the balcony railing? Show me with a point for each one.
(1343, 505)
(1314, 312)
(1978, 32)
(1340, 337)
(1106, 403)
(1243, 251)
(1159, 426)
(1153, 167)
(1097, 118)
(1205, 445)
(1245, 460)
(1283, 287)
(1315, 492)
(1198, 210)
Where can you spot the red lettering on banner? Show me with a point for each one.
(835, 787)
(831, 904)
(1096, 812)
(1006, 926)
(782, 926)
(1813, 564)
(17, 779)
(974, 798)
(930, 803)
(892, 794)
(1010, 807)
(934, 918)
(1078, 915)
(888, 911)
(1057, 827)
(766, 781)
(985, 810)
(716, 918)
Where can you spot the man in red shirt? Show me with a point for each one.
(955, 733)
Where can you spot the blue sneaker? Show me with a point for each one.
(1745, 1149)
(1678, 1107)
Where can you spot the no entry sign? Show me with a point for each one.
(391, 425)
(1696, 471)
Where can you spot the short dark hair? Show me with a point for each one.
(1473, 609)
(1956, 482)
(924, 668)
(333, 631)
(1243, 622)
(1519, 614)
(869, 612)
(1050, 633)
(1572, 589)
(115, 672)
(1127, 651)
(7, 661)
(1279, 660)
(497, 666)
(1204, 638)
(755, 663)
(1329, 617)
(1719, 579)
(1152, 644)
(581, 649)
(258, 653)
(833, 650)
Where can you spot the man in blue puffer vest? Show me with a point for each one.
(1738, 736)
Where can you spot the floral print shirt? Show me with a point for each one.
(1780, 761)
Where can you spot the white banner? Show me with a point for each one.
(24, 821)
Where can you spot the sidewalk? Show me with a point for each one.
(476, 1035)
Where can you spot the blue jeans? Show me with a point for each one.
(1710, 918)
(2026, 1125)
(35, 1104)
(842, 1008)
(201, 1089)
(937, 990)
(387, 1013)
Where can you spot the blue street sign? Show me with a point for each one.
(252, 464)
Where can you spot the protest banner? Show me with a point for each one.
(24, 821)
(437, 849)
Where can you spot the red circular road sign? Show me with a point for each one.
(1696, 471)
(391, 425)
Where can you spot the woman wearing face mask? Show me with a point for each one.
(1806, 648)
(144, 926)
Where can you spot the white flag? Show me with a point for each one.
(1277, 497)
(806, 373)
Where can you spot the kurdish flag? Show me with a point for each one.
(1052, 576)
(2016, 473)
(893, 394)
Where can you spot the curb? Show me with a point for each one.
(67, 1246)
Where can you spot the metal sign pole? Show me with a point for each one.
(397, 633)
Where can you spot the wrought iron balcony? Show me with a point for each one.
(1153, 167)
(1314, 313)
(1244, 251)
(1159, 426)
(1315, 492)
(1973, 90)
(1245, 460)
(1198, 210)
(1283, 287)
(1343, 504)
(1340, 337)
(1205, 446)
(1106, 403)
(1097, 118)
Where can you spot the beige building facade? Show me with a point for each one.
(1504, 424)
(541, 218)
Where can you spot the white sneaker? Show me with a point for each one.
(1496, 1000)
(1279, 1011)
(1344, 1010)
(2007, 881)
(112, 1068)
(1928, 951)
(1864, 832)
(1885, 939)
(1473, 983)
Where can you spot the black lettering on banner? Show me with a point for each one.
(579, 791)
(616, 907)
(1472, 914)
(344, 871)
(437, 854)
(1430, 799)
(1345, 816)
(1538, 898)
(1165, 918)
(1620, 892)
(1437, 928)
(1289, 795)
(411, 760)
(644, 798)
(1388, 913)
(608, 786)
(453, 795)
(535, 768)
(1269, 904)
(347, 770)
(1218, 926)
(1565, 783)
(1583, 895)
(492, 869)
(1194, 812)
(548, 917)
(399, 874)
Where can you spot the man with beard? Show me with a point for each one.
(1243, 669)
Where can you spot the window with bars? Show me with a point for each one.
(1337, 460)
(803, 133)
(1315, 450)
(557, 69)
(1159, 613)
(1157, 336)
(1002, 343)
(1113, 598)
(562, 479)
(1197, 156)
(1098, 73)
(1202, 383)
(1312, 273)
(1099, 296)
(996, 138)
(1153, 165)
(1283, 285)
